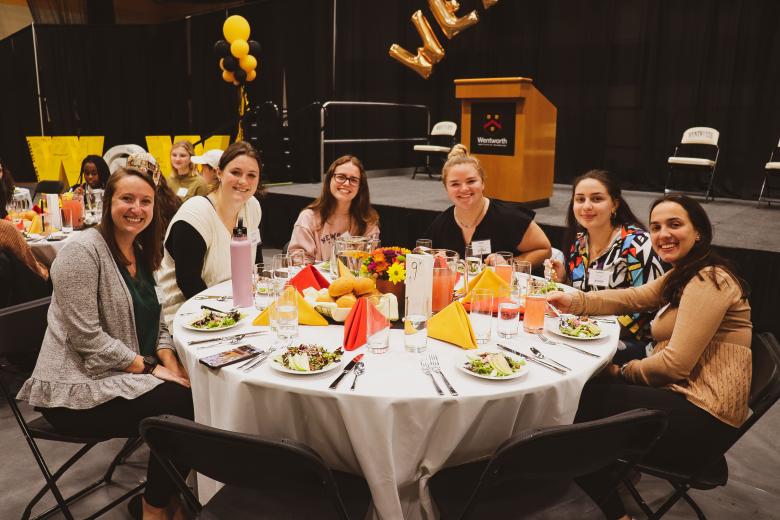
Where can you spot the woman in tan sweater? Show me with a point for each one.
(700, 369)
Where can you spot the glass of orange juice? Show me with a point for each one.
(535, 307)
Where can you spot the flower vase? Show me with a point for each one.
(398, 289)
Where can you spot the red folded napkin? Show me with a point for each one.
(309, 276)
(355, 333)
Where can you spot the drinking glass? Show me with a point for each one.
(377, 324)
(73, 207)
(508, 319)
(535, 306)
(481, 314)
(287, 313)
(522, 273)
(263, 286)
(67, 220)
(280, 271)
(473, 262)
(423, 244)
(297, 261)
(502, 265)
(416, 325)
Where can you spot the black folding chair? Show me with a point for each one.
(531, 475)
(23, 327)
(49, 187)
(263, 478)
(764, 392)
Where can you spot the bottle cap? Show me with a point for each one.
(239, 231)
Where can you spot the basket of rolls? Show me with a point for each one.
(336, 301)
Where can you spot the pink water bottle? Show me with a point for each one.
(241, 266)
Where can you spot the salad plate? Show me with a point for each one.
(576, 327)
(307, 360)
(212, 321)
(489, 365)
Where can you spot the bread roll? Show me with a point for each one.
(347, 301)
(341, 286)
(364, 286)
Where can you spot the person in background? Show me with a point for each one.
(107, 360)
(498, 225)
(184, 179)
(6, 187)
(165, 199)
(94, 174)
(344, 206)
(22, 276)
(700, 369)
(609, 249)
(197, 244)
(209, 162)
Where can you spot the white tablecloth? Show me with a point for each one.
(46, 251)
(394, 429)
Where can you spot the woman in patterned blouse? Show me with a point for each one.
(609, 249)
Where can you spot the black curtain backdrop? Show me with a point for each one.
(628, 77)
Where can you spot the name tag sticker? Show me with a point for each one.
(254, 237)
(160, 296)
(481, 247)
(181, 193)
(599, 277)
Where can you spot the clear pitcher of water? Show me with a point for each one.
(350, 251)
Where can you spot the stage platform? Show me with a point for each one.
(749, 236)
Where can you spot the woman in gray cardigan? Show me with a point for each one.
(107, 360)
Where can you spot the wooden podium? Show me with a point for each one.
(510, 126)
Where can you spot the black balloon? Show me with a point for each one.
(222, 49)
(230, 63)
(240, 75)
(254, 48)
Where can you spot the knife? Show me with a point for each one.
(223, 338)
(347, 370)
(532, 359)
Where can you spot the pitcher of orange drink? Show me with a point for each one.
(446, 264)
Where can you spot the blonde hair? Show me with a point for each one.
(460, 155)
(187, 148)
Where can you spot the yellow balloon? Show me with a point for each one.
(239, 48)
(228, 76)
(251, 75)
(236, 28)
(221, 64)
(248, 63)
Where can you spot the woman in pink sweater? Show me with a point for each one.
(343, 206)
(700, 369)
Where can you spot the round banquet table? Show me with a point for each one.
(46, 250)
(394, 429)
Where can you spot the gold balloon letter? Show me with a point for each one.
(487, 4)
(444, 12)
(431, 52)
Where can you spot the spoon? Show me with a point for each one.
(539, 355)
(359, 369)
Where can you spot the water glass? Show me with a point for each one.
(287, 313)
(473, 262)
(481, 314)
(522, 274)
(263, 286)
(377, 324)
(508, 319)
(416, 325)
(297, 261)
(280, 269)
(423, 244)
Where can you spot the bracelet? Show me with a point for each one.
(623, 370)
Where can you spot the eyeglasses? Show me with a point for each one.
(341, 179)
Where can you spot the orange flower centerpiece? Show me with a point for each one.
(387, 265)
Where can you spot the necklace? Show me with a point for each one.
(476, 220)
(606, 246)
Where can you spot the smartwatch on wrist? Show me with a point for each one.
(150, 363)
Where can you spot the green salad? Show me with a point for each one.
(216, 320)
(493, 364)
(308, 358)
(578, 327)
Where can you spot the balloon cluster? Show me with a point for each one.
(237, 53)
(432, 52)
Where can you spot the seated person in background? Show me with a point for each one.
(209, 162)
(609, 249)
(502, 226)
(107, 360)
(165, 199)
(344, 206)
(6, 187)
(700, 369)
(184, 180)
(94, 174)
(197, 244)
(23, 277)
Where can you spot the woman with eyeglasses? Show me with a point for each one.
(344, 206)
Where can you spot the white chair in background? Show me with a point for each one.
(440, 142)
(698, 150)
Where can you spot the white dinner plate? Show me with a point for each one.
(520, 373)
(189, 326)
(327, 368)
(552, 326)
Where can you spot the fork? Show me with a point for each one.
(434, 364)
(547, 340)
(541, 356)
(254, 363)
(426, 368)
(214, 297)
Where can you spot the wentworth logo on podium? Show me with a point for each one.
(493, 128)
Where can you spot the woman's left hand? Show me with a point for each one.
(612, 371)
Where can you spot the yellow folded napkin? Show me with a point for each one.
(487, 279)
(451, 324)
(306, 314)
(343, 271)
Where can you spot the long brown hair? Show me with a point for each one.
(360, 210)
(148, 241)
(238, 149)
(700, 256)
(6, 186)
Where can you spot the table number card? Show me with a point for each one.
(419, 281)
(53, 205)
